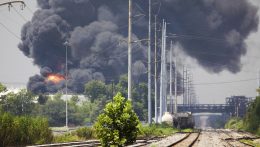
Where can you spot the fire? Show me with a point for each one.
(55, 78)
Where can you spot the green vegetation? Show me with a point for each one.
(25, 113)
(187, 130)
(23, 130)
(250, 142)
(156, 130)
(2, 88)
(98, 94)
(95, 90)
(118, 125)
(251, 122)
(252, 119)
(68, 137)
(86, 133)
(18, 104)
(235, 123)
(81, 134)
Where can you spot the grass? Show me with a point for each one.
(69, 137)
(81, 134)
(59, 128)
(156, 130)
(235, 123)
(250, 142)
(187, 130)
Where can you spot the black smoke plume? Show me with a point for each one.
(211, 31)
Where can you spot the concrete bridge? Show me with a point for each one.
(235, 106)
(206, 108)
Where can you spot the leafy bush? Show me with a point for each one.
(252, 119)
(23, 130)
(118, 125)
(2, 88)
(156, 130)
(235, 123)
(251, 122)
(85, 132)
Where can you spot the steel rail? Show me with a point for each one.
(94, 143)
(185, 138)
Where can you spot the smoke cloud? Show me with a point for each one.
(211, 31)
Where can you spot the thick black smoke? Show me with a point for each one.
(216, 29)
(97, 33)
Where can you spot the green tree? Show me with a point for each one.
(42, 99)
(95, 89)
(75, 99)
(2, 88)
(75, 115)
(118, 125)
(252, 119)
(23, 130)
(139, 95)
(90, 111)
(21, 103)
(2, 97)
(122, 85)
(54, 110)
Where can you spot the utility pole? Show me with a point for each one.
(164, 71)
(175, 82)
(171, 99)
(130, 51)
(161, 76)
(149, 68)
(183, 86)
(66, 83)
(155, 71)
(258, 88)
(188, 86)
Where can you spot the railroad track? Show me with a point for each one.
(187, 141)
(235, 141)
(95, 143)
(90, 143)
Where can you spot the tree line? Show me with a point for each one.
(97, 93)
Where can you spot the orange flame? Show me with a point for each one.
(55, 78)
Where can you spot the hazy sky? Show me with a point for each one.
(15, 68)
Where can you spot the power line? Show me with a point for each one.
(229, 82)
(11, 20)
(19, 14)
(216, 54)
(29, 9)
(11, 32)
(219, 40)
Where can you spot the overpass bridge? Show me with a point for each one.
(234, 106)
(206, 108)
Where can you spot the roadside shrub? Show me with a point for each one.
(85, 132)
(7, 131)
(118, 125)
(252, 118)
(235, 123)
(17, 131)
(156, 130)
(147, 131)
